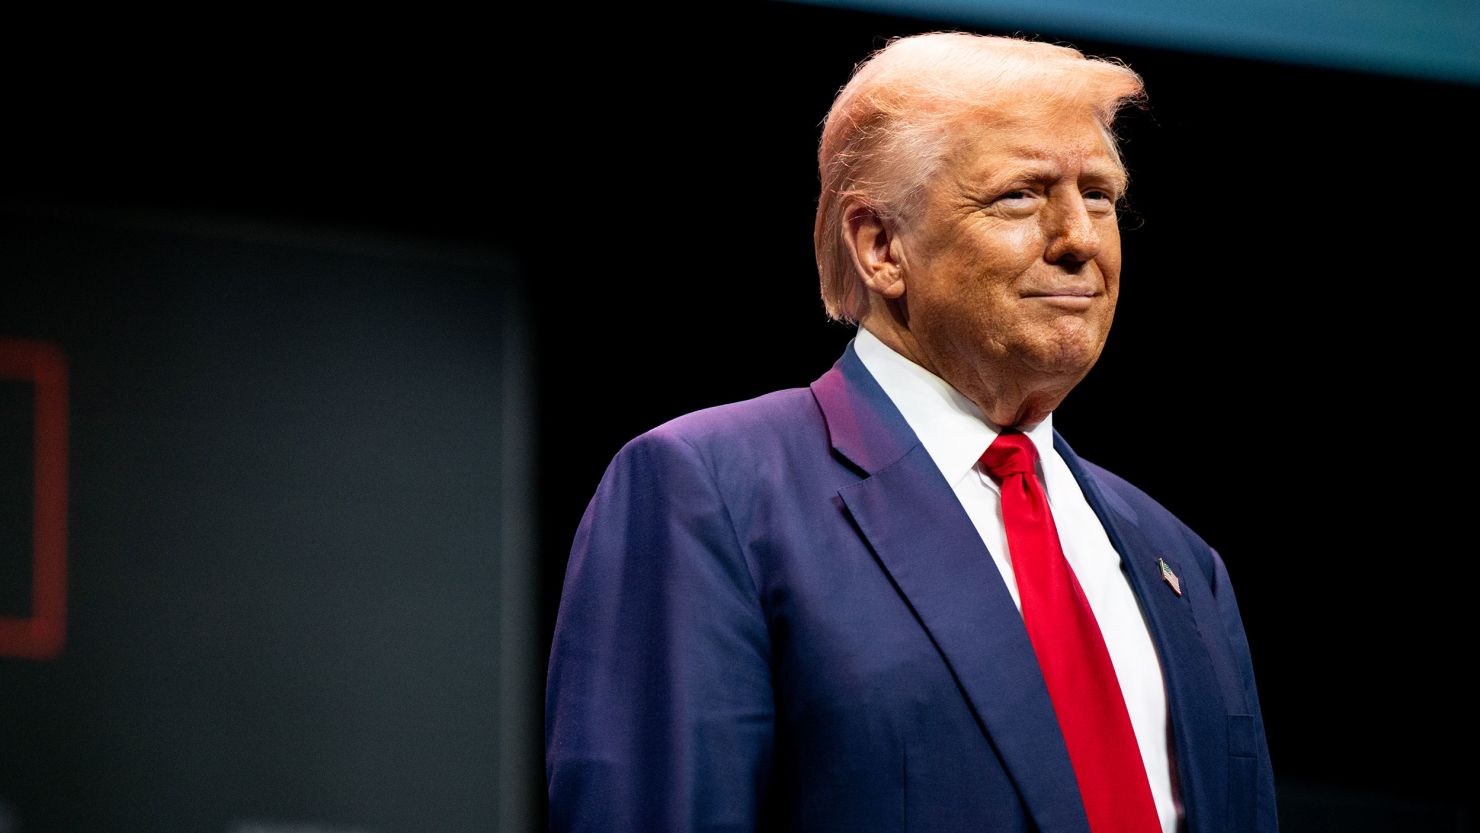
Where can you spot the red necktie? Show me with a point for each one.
(1071, 652)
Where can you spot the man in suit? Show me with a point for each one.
(897, 600)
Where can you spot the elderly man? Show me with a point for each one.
(897, 600)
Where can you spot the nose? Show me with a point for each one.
(1070, 231)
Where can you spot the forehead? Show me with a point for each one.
(1060, 143)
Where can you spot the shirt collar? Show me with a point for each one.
(950, 426)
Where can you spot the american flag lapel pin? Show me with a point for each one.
(1169, 577)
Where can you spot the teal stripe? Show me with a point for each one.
(1434, 39)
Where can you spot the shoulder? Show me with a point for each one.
(1150, 515)
(775, 425)
(697, 477)
(729, 460)
(772, 414)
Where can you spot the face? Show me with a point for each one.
(1013, 262)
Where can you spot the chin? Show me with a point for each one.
(1067, 358)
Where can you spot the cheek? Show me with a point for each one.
(991, 260)
(1109, 256)
(972, 277)
(1014, 247)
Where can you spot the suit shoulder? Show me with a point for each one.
(721, 430)
(740, 447)
(1148, 509)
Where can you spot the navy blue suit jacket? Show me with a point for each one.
(777, 616)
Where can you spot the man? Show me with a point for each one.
(897, 600)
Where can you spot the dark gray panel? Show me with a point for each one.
(287, 491)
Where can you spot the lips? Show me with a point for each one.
(1074, 300)
(1068, 292)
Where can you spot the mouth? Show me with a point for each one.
(1069, 298)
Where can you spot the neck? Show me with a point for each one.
(1006, 399)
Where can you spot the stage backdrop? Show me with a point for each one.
(295, 575)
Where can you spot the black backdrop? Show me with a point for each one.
(1286, 370)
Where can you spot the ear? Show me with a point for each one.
(874, 244)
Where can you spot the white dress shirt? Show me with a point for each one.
(955, 433)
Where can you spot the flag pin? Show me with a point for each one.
(1169, 577)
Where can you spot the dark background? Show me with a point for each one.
(1292, 340)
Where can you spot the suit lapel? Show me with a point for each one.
(926, 543)
(1198, 715)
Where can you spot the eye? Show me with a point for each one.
(1099, 200)
(1016, 201)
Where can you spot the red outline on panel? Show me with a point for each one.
(41, 635)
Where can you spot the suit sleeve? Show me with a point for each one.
(658, 707)
(1264, 811)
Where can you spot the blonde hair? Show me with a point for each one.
(889, 128)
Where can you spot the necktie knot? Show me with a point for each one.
(1011, 453)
